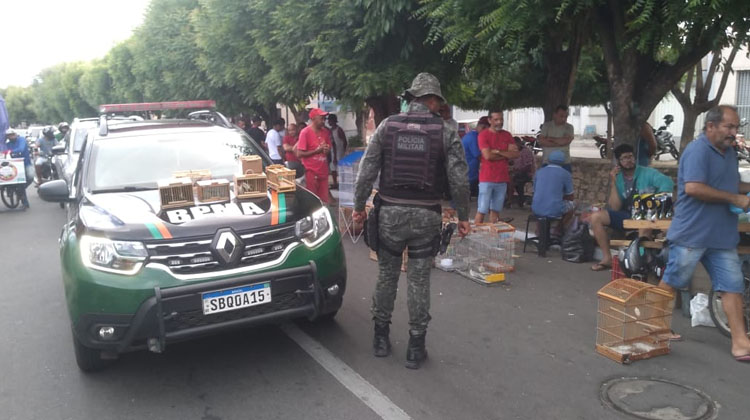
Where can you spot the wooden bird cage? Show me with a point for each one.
(281, 178)
(213, 190)
(250, 185)
(176, 192)
(194, 175)
(251, 163)
(634, 320)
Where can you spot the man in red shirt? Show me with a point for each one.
(313, 147)
(497, 147)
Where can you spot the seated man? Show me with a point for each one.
(626, 179)
(553, 190)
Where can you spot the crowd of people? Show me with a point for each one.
(316, 146)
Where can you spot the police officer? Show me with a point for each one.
(418, 156)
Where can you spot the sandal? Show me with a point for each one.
(601, 267)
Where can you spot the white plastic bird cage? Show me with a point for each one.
(348, 167)
(633, 321)
(488, 251)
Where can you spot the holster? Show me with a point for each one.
(372, 225)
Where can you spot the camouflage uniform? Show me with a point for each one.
(409, 226)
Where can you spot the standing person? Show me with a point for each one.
(497, 148)
(290, 140)
(557, 134)
(418, 157)
(312, 148)
(17, 147)
(553, 191)
(274, 142)
(523, 168)
(257, 133)
(646, 145)
(626, 179)
(338, 150)
(703, 228)
(470, 143)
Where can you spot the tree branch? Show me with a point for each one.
(724, 76)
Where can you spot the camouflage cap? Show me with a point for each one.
(425, 84)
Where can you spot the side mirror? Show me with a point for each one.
(58, 150)
(56, 191)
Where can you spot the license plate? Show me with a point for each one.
(236, 298)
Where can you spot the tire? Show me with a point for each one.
(675, 153)
(717, 310)
(88, 359)
(10, 197)
(656, 156)
(603, 151)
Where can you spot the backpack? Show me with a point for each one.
(578, 244)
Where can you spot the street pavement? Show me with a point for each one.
(522, 350)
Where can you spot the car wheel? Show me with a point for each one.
(88, 359)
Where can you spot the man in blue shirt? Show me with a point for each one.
(704, 228)
(553, 190)
(472, 152)
(625, 179)
(17, 148)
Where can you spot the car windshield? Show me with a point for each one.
(141, 161)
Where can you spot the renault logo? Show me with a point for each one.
(227, 246)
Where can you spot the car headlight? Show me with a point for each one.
(120, 257)
(313, 229)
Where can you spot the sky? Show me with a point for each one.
(41, 33)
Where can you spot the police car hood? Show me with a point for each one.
(138, 215)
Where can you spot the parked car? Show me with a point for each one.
(141, 272)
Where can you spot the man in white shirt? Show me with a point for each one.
(274, 142)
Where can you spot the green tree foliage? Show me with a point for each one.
(515, 53)
(57, 95)
(95, 85)
(19, 103)
(649, 44)
(119, 62)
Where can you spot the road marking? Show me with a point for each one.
(355, 383)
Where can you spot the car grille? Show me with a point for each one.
(195, 256)
(186, 319)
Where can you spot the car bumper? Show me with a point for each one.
(175, 314)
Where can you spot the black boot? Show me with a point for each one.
(381, 345)
(416, 353)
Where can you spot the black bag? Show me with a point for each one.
(577, 244)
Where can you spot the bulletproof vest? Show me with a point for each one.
(413, 159)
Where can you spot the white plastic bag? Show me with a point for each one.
(699, 314)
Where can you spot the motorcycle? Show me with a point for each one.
(602, 144)
(48, 172)
(665, 141)
(741, 146)
(532, 142)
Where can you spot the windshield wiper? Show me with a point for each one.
(122, 189)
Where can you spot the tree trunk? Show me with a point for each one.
(610, 149)
(688, 127)
(561, 61)
(383, 106)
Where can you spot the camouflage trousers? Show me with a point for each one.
(417, 229)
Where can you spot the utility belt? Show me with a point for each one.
(427, 250)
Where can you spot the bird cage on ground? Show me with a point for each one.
(634, 320)
(281, 178)
(213, 190)
(194, 175)
(250, 185)
(252, 163)
(484, 254)
(176, 192)
(348, 166)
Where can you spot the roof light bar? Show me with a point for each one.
(156, 106)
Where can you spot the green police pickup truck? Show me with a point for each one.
(141, 271)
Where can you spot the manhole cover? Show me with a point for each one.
(657, 399)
